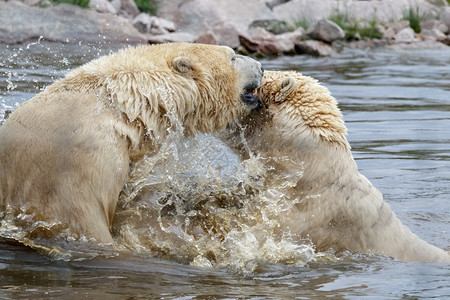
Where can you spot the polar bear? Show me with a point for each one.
(65, 154)
(335, 206)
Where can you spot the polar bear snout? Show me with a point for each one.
(251, 77)
(250, 97)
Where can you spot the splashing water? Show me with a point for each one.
(200, 205)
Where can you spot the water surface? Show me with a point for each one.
(396, 104)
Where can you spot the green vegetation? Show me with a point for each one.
(414, 17)
(81, 3)
(147, 6)
(371, 31)
(304, 21)
(354, 29)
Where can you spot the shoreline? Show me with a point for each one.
(257, 35)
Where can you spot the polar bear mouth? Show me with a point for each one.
(250, 98)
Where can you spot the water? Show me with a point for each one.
(396, 104)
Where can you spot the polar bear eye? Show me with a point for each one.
(233, 59)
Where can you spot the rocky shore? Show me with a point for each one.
(265, 27)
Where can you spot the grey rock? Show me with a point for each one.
(208, 38)
(227, 33)
(31, 2)
(226, 19)
(261, 41)
(433, 34)
(272, 3)
(326, 31)
(117, 4)
(383, 11)
(405, 35)
(309, 10)
(389, 33)
(153, 25)
(398, 26)
(434, 24)
(393, 29)
(128, 9)
(163, 23)
(316, 48)
(445, 16)
(174, 37)
(142, 22)
(63, 23)
(273, 26)
(103, 6)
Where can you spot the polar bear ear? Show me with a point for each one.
(182, 65)
(287, 85)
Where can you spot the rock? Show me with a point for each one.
(433, 34)
(30, 2)
(309, 10)
(128, 9)
(392, 29)
(405, 35)
(226, 19)
(261, 41)
(153, 25)
(117, 4)
(227, 33)
(367, 44)
(174, 37)
(445, 16)
(142, 22)
(208, 38)
(446, 41)
(389, 33)
(311, 47)
(260, 44)
(103, 6)
(383, 11)
(272, 3)
(160, 23)
(398, 26)
(295, 36)
(273, 26)
(433, 30)
(434, 24)
(63, 23)
(326, 31)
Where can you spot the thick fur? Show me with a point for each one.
(65, 154)
(335, 206)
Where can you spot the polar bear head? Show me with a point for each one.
(200, 87)
(299, 113)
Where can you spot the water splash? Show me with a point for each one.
(203, 207)
(11, 85)
(18, 225)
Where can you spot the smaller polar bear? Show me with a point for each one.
(336, 207)
(65, 154)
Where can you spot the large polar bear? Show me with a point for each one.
(65, 154)
(335, 206)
